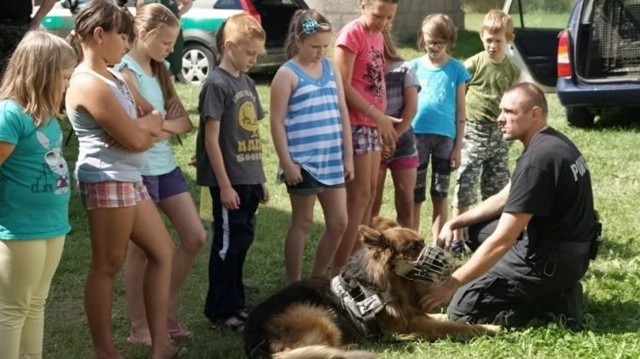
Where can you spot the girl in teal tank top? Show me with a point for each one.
(145, 71)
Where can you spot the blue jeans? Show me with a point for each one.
(233, 233)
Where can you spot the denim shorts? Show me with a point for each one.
(309, 185)
(166, 185)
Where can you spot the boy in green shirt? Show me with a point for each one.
(484, 153)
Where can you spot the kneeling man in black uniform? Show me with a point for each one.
(545, 230)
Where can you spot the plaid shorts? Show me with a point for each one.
(365, 140)
(112, 194)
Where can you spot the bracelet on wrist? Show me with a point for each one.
(366, 113)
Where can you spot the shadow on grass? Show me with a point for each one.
(610, 249)
(623, 121)
(264, 269)
(611, 317)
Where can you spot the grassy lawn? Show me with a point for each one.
(612, 284)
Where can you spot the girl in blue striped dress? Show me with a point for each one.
(312, 136)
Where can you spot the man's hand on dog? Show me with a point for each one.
(445, 237)
(438, 294)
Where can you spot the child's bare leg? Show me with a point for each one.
(440, 214)
(417, 208)
(134, 267)
(404, 183)
(109, 230)
(150, 234)
(301, 219)
(373, 172)
(359, 202)
(184, 218)
(377, 201)
(334, 207)
(457, 234)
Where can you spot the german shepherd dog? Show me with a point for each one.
(373, 295)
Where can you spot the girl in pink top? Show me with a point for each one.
(359, 56)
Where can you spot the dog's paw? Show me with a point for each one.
(492, 329)
(440, 317)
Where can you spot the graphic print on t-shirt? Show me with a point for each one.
(375, 74)
(249, 146)
(435, 88)
(54, 169)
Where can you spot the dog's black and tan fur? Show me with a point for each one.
(303, 320)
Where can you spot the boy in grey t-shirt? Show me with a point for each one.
(229, 162)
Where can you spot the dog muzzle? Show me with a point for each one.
(433, 265)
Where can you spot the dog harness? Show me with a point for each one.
(361, 303)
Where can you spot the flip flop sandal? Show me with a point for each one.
(244, 314)
(179, 332)
(137, 341)
(234, 324)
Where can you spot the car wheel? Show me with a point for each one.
(579, 116)
(197, 62)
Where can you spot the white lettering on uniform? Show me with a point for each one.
(579, 168)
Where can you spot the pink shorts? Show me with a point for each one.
(402, 163)
(112, 194)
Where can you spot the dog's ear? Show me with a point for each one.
(371, 237)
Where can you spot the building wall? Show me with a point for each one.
(408, 18)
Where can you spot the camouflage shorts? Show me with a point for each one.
(485, 155)
(10, 36)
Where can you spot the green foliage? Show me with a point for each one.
(612, 284)
(482, 6)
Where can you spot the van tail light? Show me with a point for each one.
(247, 5)
(564, 61)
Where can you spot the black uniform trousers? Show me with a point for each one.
(525, 283)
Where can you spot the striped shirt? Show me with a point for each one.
(314, 127)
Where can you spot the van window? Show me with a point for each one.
(542, 14)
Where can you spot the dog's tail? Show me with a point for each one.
(323, 352)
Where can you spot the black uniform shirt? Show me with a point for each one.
(552, 182)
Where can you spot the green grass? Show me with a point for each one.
(612, 284)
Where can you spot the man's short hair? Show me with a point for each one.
(533, 96)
